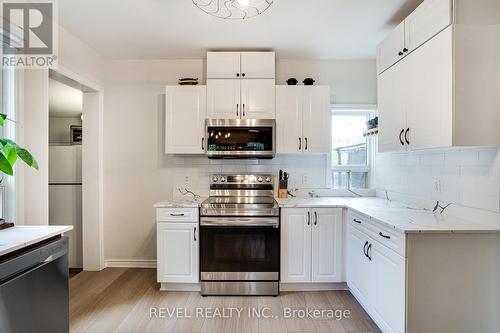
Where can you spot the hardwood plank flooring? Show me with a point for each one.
(122, 300)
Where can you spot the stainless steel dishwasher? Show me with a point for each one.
(34, 288)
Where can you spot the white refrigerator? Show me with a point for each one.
(65, 196)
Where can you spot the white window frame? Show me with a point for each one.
(348, 109)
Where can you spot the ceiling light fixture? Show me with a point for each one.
(233, 9)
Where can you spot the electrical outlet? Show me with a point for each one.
(186, 179)
(305, 180)
(437, 185)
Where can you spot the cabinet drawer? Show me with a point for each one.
(177, 215)
(389, 237)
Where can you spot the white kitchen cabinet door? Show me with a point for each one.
(392, 91)
(388, 289)
(316, 120)
(185, 113)
(357, 265)
(430, 17)
(223, 65)
(430, 101)
(295, 245)
(258, 65)
(177, 252)
(223, 99)
(258, 99)
(327, 245)
(289, 103)
(391, 49)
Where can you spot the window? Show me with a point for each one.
(350, 149)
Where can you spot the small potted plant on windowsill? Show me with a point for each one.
(9, 153)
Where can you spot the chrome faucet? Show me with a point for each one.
(313, 194)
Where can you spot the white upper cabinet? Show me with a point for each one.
(258, 99)
(223, 99)
(444, 91)
(185, 113)
(303, 119)
(317, 119)
(231, 65)
(289, 102)
(431, 17)
(223, 65)
(392, 108)
(258, 65)
(426, 21)
(391, 49)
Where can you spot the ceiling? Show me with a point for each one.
(158, 29)
(64, 101)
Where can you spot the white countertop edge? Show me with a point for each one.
(51, 232)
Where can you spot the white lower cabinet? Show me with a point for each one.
(376, 277)
(178, 252)
(311, 245)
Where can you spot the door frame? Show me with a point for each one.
(92, 231)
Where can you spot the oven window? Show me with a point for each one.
(239, 249)
(240, 139)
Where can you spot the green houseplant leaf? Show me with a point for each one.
(10, 151)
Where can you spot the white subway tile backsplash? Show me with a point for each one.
(467, 176)
(462, 158)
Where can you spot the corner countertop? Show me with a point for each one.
(18, 237)
(399, 216)
(395, 215)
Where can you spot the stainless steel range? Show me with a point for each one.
(240, 236)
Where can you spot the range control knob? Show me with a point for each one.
(268, 179)
(260, 179)
(223, 179)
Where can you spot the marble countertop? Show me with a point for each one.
(18, 237)
(393, 214)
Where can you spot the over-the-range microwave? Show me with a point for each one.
(240, 138)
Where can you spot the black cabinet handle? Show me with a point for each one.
(202, 143)
(406, 136)
(400, 137)
(172, 214)
(243, 109)
(308, 218)
(300, 143)
(364, 249)
(306, 143)
(237, 110)
(194, 234)
(405, 50)
(243, 74)
(385, 236)
(368, 253)
(315, 218)
(238, 74)
(357, 221)
(400, 53)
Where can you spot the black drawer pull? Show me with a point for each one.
(172, 214)
(357, 221)
(364, 249)
(385, 236)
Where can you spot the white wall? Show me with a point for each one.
(136, 171)
(469, 177)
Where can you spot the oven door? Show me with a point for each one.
(239, 248)
(240, 138)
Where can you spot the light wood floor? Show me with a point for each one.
(120, 299)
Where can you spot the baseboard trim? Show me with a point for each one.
(313, 286)
(180, 287)
(130, 263)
